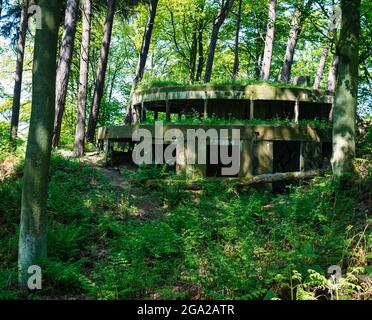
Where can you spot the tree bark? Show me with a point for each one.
(344, 112)
(83, 80)
(146, 41)
(193, 55)
(332, 76)
(241, 182)
(320, 70)
(323, 58)
(291, 45)
(269, 41)
(236, 45)
(218, 21)
(32, 238)
(101, 73)
(64, 66)
(19, 71)
(199, 70)
(298, 20)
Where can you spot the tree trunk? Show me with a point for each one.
(320, 70)
(236, 46)
(344, 112)
(298, 20)
(258, 52)
(101, 74)
(239, 182)
(83, 80)
(19, 71)
(218, 21)
(200, 56)
(1, 7)
(64, 66)
(193, 55)
(32, 238)
(332, 76)
(146, 40)
(291, 45)
(269, 41)
(325, 52)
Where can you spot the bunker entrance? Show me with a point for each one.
(215, 170)
(286, 156)
(286, 159)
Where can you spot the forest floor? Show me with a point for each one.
(111, 236)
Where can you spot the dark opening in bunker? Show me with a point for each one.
(266, 109)
(326, 154)
(309, 111)
(286, 159)
(286, 156)
(215, 170)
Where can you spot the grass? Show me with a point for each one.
(213, 120)
(241, 82)
(216, 244)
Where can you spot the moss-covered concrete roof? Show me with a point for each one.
(263, 91)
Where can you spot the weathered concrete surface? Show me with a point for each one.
(310, 155)
(246, 159)
(263, 153)
(247, 132)
(231, 92)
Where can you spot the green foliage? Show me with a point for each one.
(214, 120)
(243, 82)
(364, 142)
(214, 244)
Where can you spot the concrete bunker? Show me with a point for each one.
(264, 148)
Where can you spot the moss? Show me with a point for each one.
(316, 123)
(239, 82)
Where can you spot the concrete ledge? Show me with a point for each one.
(247, 132)
(158, 95)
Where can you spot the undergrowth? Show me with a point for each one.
(217, 243)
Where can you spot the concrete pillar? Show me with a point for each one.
(296, 110)
(193, 170)
(143, 112)
(205, 109)
(167, 110)
(310, 155)
(246, 158)
(251, 109)
(264, 153)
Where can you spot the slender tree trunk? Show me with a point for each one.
(291, 45)
(146, 40)
(218, 21)
(64, 66)
(332, 76)
(32, 238)
(101, 74)
(325, 52)
(1, 7)
(199, 70)
(259, 53)
(269, 41)
(298, 20)
(320, 70)
(83, 80)
(19, 71)
(236, 46)
(193, 55)
(346, 92)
